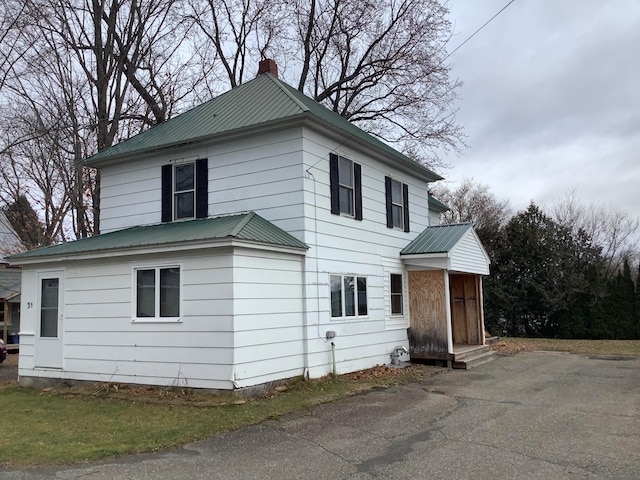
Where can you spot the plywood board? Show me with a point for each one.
(471, 304)
(465, 310)
(427, 305)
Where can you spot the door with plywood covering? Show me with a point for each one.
(465, 309)
(428, 309)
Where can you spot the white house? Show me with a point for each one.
(254, 238)
(10, 243)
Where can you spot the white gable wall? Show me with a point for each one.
(469, 256)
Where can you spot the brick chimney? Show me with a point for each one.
(268, 66)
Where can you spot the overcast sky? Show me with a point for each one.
(551, 99)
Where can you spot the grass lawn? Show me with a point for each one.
(508, 345)
(97, 421)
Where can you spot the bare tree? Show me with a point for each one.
(379, 64)
(473, 202)
(616, 232)
(96, 71)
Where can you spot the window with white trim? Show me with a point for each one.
(348, 296)
(397, 296)
(157, 293)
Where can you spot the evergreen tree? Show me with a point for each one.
(620, 305)
(25, 222)
(544, 280)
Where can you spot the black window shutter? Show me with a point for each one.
(357, 180)
(405, 205)
(167, 188)
(387, 192)
(335, 186)
(202, 188)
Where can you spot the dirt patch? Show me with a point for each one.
(380, 376)
(9, 370)
(512, 347)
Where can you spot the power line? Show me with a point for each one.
(484, 25)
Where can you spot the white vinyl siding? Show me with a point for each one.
(339, 246)
(244, 313)
(263, 174)
(249, 299)
(468, 256)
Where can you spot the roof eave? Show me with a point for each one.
(306, 118)
(400, 162)
(163, 248)
(410, 256)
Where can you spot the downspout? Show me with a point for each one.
(317, 269)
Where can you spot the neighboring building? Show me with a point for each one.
(242, 241)
(9, 284)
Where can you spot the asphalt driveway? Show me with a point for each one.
(531, 416)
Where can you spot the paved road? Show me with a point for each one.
(532, 416)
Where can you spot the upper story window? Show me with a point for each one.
(157, 293)
(397, 200)
(397, 215)
(346, 186)
(185, 190)
(348, 296)
(345, 180)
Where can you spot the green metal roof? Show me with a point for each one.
(437, 205)
(259, 102)
(247, 226)
(437, 239)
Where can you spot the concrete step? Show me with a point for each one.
(474, 360)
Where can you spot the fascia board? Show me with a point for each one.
(160, 249)
(418, 256)
(305, 119)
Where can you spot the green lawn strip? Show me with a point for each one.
(40, 428)
(584, 347)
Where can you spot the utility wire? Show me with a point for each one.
(478, 30)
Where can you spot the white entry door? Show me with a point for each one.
(50, 320)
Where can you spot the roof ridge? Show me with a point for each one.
(282, 85)
(242, 223)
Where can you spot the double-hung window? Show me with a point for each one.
(185, 190)
(397, 199)
(157, 293)
(345, 182)
(346, 186)
(348, 296)
(397, 297)
(397, 216)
